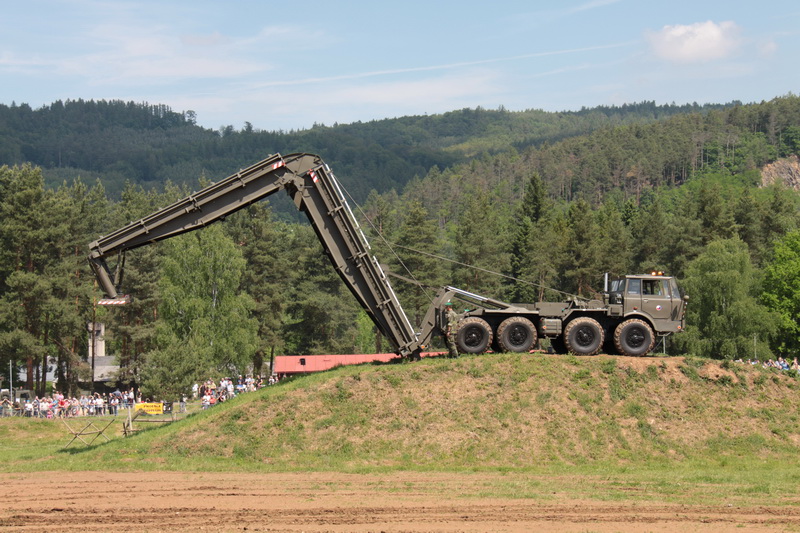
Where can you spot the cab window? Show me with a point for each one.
(634, 286)
(652, 287)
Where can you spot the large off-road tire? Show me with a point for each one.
(516, 334)
(634, 338)
(583, 336)
(473, 336)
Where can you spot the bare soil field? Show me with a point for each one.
(333, 502)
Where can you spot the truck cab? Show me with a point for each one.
(654, 297)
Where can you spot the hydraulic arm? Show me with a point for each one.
(316, 192)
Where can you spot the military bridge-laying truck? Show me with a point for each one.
(633, 311)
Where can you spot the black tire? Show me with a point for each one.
(516, 334)
(583, 336)
(473, 336)
(634, 338)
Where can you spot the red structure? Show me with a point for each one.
(303, 364)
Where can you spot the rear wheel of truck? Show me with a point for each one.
(474, 335)
(634, 338)
(516, 334)
(583, 336)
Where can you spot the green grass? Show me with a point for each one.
(589, 427)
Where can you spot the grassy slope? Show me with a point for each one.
(498, 412)
(529, 426)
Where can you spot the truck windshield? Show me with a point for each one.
(617, 285)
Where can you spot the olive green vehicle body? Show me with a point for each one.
(627, 319)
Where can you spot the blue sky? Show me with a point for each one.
(286, 65)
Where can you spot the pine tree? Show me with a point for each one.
(521, 253)
(715, 217)
(650, 239)
(320, 312)
(417, 245)
(581, 269)
(269, 259)
(26, 257)
(44, 302)
(748, 225)
(480, 246)
(545, 256)
(613, 242)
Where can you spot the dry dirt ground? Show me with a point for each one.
(330, 502)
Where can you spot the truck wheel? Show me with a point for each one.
(583, 336)
(516, 334)
(474, 335)
(634, 338)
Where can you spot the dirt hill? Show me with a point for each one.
(496, 411)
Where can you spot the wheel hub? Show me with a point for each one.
(473, 337)
(518, 335)
(635, 338)
(585, 336)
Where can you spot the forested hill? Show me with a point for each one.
(547, 199)
(118, 142)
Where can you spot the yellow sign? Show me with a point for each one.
(150, 408)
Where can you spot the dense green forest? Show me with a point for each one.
(119, 142)
(548, 200)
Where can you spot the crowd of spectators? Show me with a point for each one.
(98, 404)
(60, 406)
(211, 393)
(780, 363)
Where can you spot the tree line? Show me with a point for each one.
(118, 142)
(227, 298)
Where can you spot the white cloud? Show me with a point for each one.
(10, 60)
(591, 5)
(153, 56)
(767, 48)
(695, 43)
(342, 101)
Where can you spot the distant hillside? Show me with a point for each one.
(494, 411)
(118, 142)
(637, 159)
